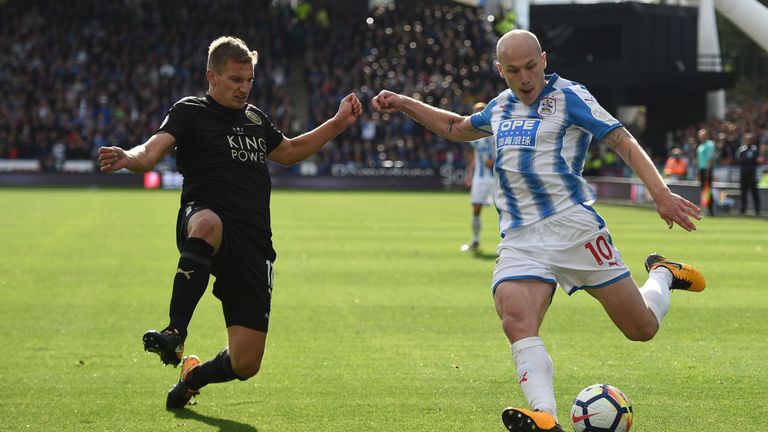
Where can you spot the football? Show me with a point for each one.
(601, 408)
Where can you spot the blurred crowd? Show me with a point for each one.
(80, 74)
(441, 54)
(745, 125)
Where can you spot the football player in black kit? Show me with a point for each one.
(223, 228)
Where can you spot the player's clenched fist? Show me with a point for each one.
(112, 159)
(387, 102)
(350, 109)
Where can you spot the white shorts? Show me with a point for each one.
(572, 248)
(481, 191)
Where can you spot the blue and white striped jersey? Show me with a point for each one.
(485, 150)
(540, 149)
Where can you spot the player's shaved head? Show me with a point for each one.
(521, 63)
(518, 41)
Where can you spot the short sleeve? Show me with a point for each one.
(482, 120)
(175, 122)
(272, 135)
(585, 112)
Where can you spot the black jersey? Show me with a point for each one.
(222, 154)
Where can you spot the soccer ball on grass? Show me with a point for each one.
(601, 408)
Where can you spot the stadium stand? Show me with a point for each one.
(81, 74)
(728, 134)
(440, 52)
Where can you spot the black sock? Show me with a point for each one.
(217, 370)
(190, 282)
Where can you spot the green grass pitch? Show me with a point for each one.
(379, 323)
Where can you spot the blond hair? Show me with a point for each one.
(228, 48)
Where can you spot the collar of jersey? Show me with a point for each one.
(550, 87)
(221, 107)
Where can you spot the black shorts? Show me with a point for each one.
(243, 271)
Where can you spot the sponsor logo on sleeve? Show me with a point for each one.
(598, 112)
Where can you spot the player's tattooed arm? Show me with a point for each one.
(474, 130)
(622, 142)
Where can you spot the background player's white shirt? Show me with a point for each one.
(485, 150)
(540, 149)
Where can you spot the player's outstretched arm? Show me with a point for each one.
(673, 208)
(447, 124)
(141, 158)
(293, 150)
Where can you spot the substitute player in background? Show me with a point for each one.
(479, 178)
(223, 226)
(542, 126)
(706, 157)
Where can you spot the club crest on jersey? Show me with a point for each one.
(252, 116)
(517, 133)
(547, 107)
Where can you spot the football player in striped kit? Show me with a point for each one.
(479, 178)
(542, 126)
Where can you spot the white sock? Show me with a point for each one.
(476, 224)
(655, 292)
(535, 374)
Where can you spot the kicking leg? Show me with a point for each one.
(627, 307)
(638, 312)
(241, 360)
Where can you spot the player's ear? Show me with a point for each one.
(211, 77)
(498, 69)
(544, 59)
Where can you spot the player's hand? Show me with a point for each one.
(468, 181)
(112, 159)
(675, 209)
(387, 102)
(350, 109)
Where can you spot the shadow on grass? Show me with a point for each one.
(224, 425)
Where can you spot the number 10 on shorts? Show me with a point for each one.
(601, 250)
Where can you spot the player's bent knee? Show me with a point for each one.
(247, 369)
(641, 333)
(207, 226)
